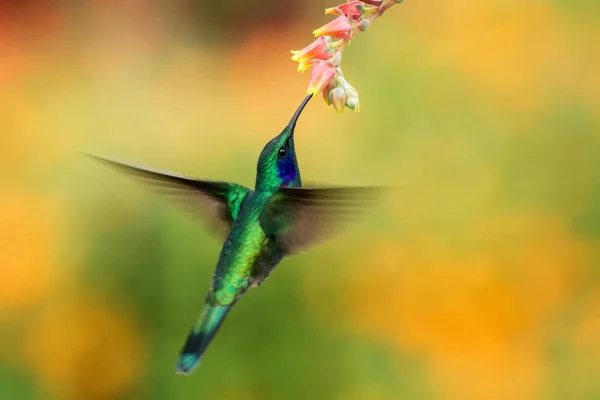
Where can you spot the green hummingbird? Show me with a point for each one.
(278, 218)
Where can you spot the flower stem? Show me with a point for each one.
(383, 8)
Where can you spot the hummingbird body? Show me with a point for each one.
(278, 218)
(248, 254)
(247, 258)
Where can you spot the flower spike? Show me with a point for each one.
(324, 54)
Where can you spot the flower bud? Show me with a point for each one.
(363, 25)
(341, 82)
(350, 91)
(352, 103)
(337, 97)
(325, 92)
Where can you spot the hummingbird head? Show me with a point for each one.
(277, 164)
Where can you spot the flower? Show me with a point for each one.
(30, 236)
(352, 9)
(317, 50)
(339, 28)
(325, 54)
(322, 74)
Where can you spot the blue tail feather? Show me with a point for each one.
(201, 334)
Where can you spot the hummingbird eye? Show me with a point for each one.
(282, 152)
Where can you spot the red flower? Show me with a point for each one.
(352, 9)
(339, 28)
(317, 50)
(323, 73)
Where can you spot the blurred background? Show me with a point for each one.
(478, 278)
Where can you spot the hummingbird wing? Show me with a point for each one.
(302, 217)
(218, 203)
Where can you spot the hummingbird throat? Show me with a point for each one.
(277, 164)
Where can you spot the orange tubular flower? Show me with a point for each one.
(352, 9)
(339, 28)
(324, 54)
(317, 50)
(323, 73)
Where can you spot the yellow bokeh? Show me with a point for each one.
(479, 272)
(31, 230)
(587, 330)
(478, 318)
(514, 56)
(82, 348)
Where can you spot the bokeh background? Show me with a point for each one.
(477, 278)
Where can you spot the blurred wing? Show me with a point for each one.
(216, 202)
(302, 217)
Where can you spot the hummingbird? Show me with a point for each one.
(261, 226)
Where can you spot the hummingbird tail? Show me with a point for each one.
(207, 325)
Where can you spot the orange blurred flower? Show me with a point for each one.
(477, 319)
(81, 348)
(583, 374)
(514, 59)
(587, 330)
(29, 236)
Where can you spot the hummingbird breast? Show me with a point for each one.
(247, 256)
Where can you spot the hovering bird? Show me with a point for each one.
(278, 218)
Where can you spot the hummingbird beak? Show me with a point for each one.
(290, 127)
